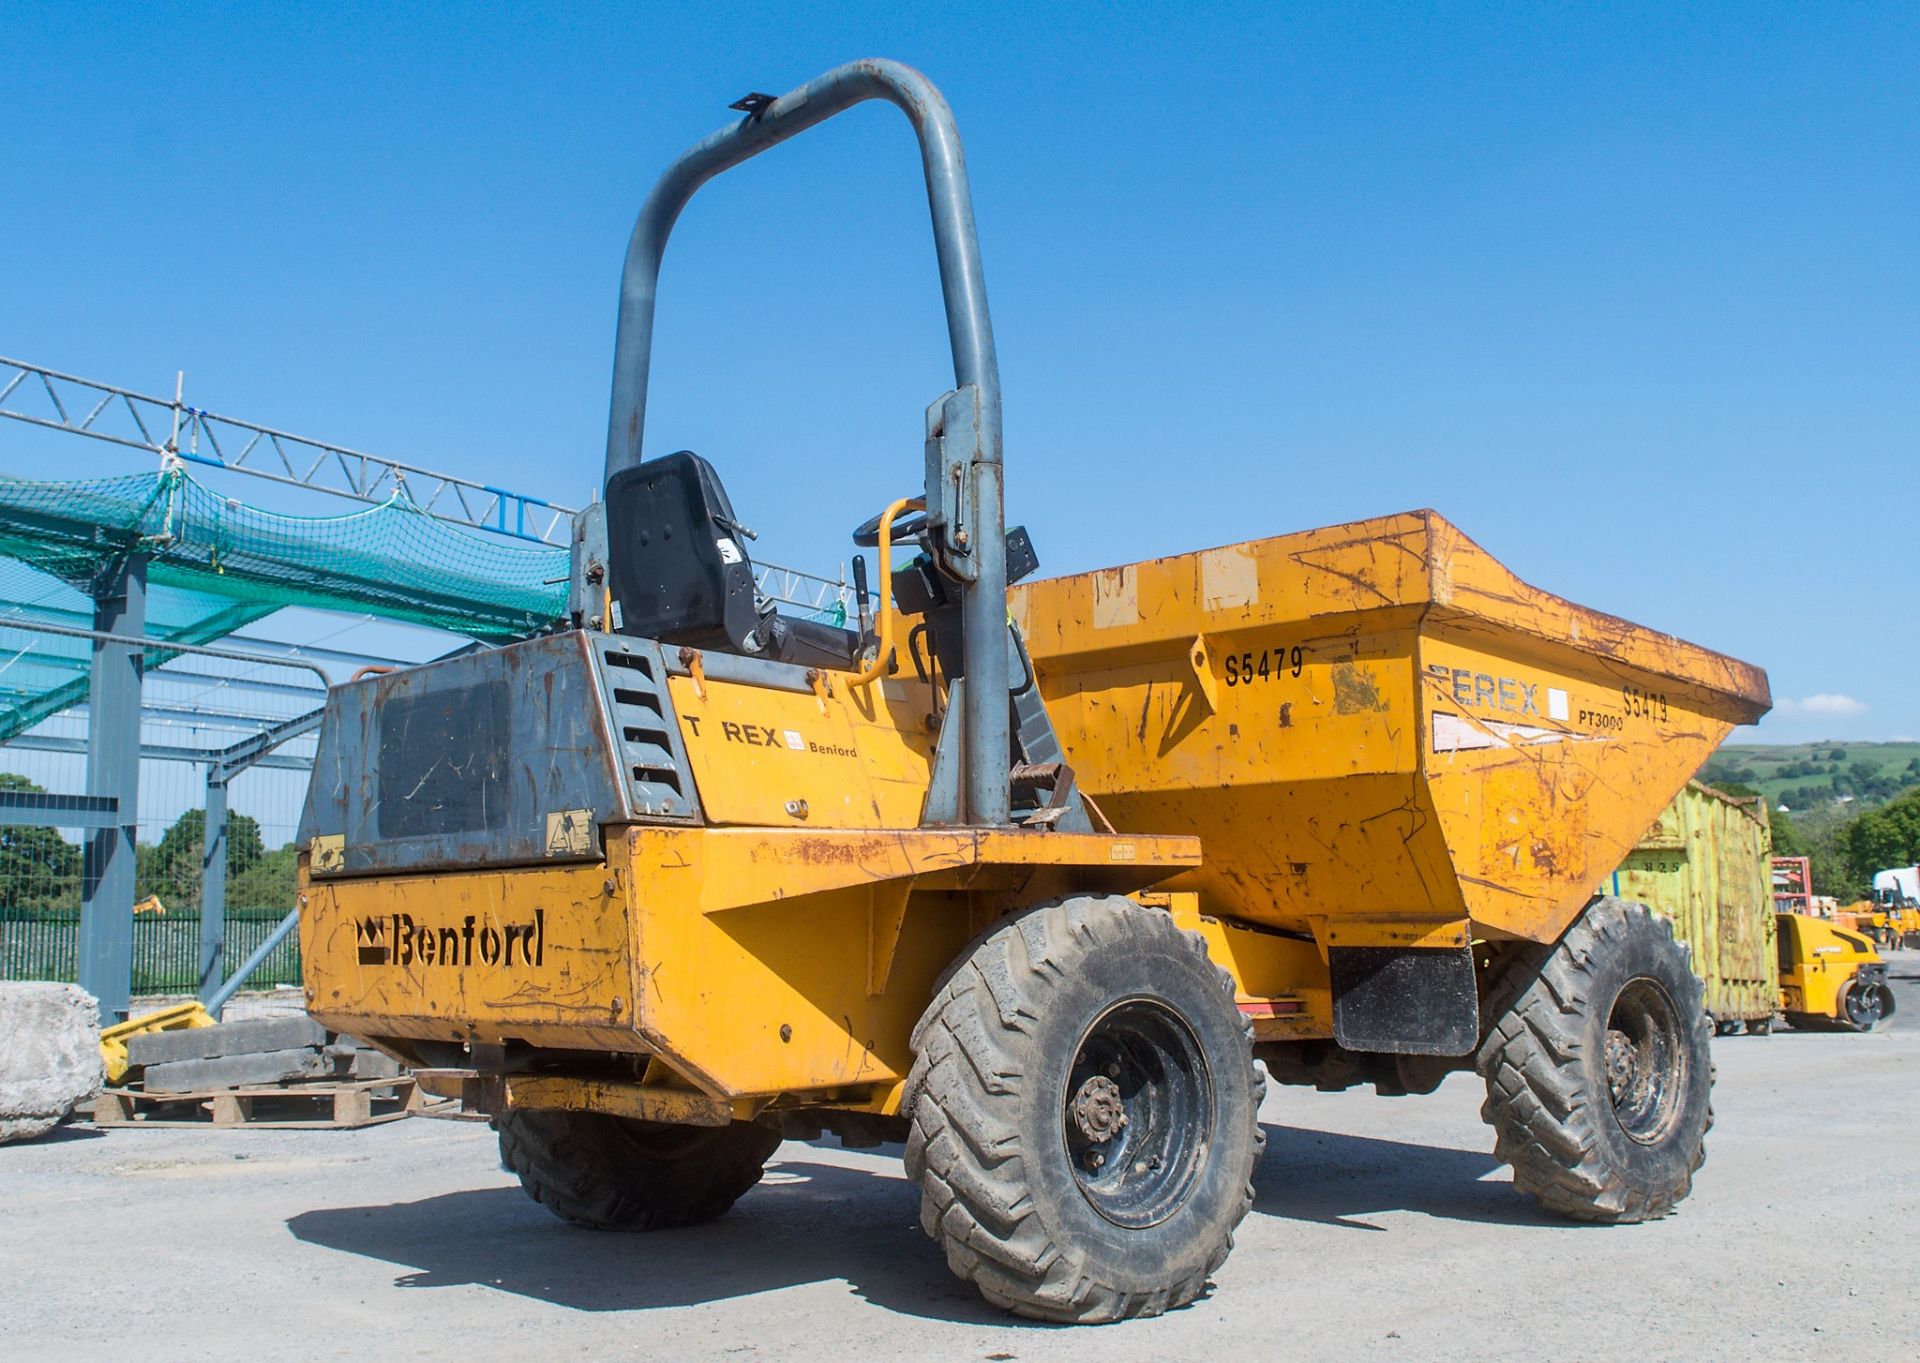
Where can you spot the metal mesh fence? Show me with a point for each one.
(193, 707)
(166, 951)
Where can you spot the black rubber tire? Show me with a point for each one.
(1760, 1027)
(989, 1145)
(614, 1173)
(1877, 1010)
(1545, 1062)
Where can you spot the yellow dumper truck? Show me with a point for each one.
(1024, 882)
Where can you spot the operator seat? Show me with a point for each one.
(679, 570)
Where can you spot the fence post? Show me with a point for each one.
(113, 769)
(213, 882)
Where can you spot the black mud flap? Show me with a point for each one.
(1405, 1000)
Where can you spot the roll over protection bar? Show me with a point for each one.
(984, 706)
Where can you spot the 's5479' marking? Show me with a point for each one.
(1644, 704)
(1268, 664)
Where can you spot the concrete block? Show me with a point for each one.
(231, 1071)
(228, 1038)
(374, 1065)
(49, 1056)
(356, 1060)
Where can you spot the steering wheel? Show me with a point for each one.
(904, 527)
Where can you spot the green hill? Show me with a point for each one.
(1806, 776)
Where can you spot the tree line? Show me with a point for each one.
(41, 872)
(1846, 849)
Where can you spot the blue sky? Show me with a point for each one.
(1628, 292)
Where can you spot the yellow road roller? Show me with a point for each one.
(1022, 882)
(1830, 978)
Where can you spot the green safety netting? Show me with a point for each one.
(216, 564)
(393, 559)
(43, 674)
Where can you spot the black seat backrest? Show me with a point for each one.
(679, 572)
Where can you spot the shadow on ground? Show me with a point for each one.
(808, 1222)
(1338, 1180)
(818, 1222)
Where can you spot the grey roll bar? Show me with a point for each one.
(984, 717)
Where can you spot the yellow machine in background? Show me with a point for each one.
(657, 889)
(1886, 926)
(1830, 977)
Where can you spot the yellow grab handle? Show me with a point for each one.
(883, 657)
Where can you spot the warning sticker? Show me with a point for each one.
(570, 833)
(327, 854)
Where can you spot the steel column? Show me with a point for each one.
(222, 767)
(213, 882)
(113, 772)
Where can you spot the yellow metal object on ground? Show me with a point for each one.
(177, 1017)
(1375, 721)
(753, 962)
(1704, 866)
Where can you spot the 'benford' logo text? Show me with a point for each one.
(398, 940)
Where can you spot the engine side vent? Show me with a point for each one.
(651, 755)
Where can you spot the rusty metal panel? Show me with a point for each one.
(510, 756)
(1704, 867)
(1374, 719)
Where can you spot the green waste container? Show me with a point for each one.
(1704, 866)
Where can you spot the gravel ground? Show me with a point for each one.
(1382, 1230)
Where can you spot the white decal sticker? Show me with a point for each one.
(570, 833)
(1229, 577)
(1116, 598)
(1556, 703)
(1454, 734)
(794, 741)
(729, 551)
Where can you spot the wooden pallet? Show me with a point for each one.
(348, 1104)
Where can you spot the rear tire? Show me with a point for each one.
(1760, 1027)
(1084, 1111)
(615, 1173)
(1599, 1076)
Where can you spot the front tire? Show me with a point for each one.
(1865, 1004)
(1599, 1077)
(615, 1173)
(1084, 1113)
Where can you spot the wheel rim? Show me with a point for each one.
(1863, 1007)
(1646, 1061)
(1137, 1113)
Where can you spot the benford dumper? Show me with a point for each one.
(686, 875)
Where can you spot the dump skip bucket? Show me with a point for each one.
(1375, 721)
